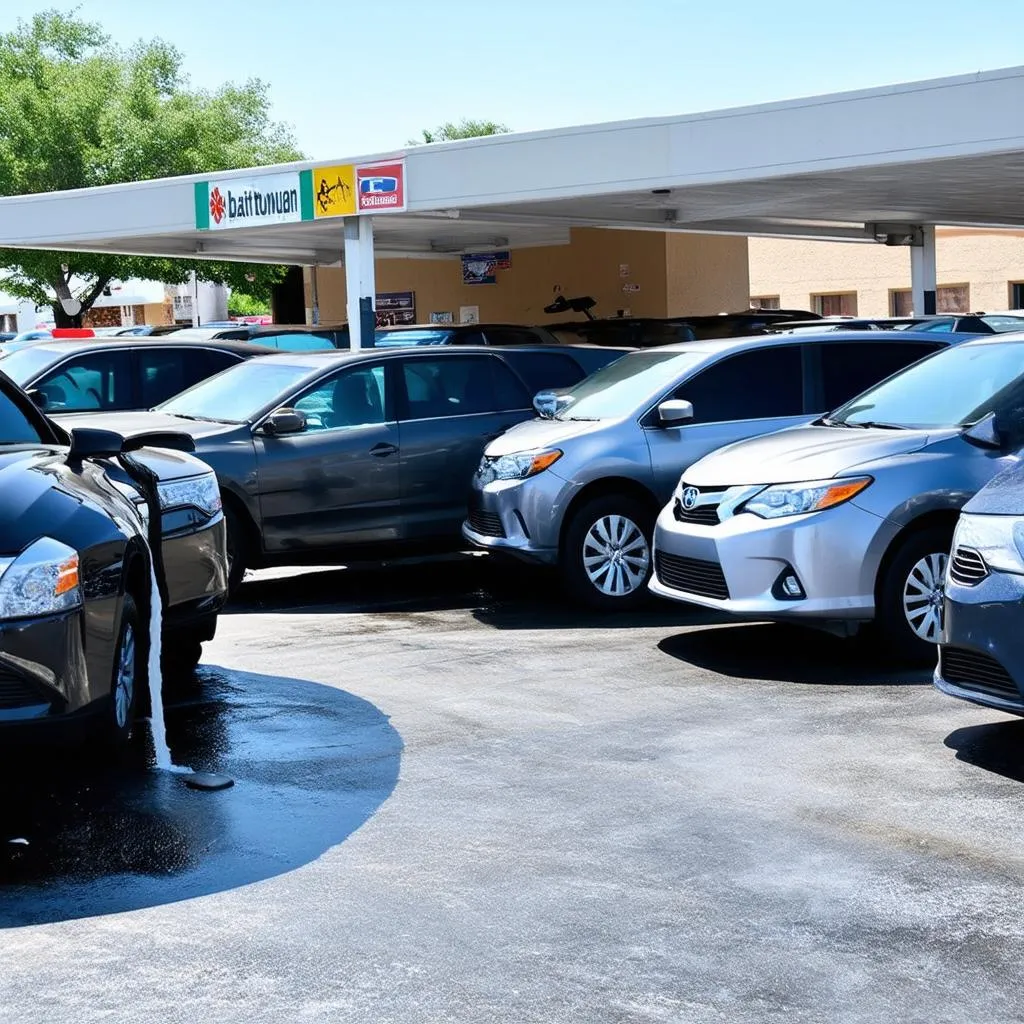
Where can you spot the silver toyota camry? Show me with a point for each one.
(849, 519)
(581, 488)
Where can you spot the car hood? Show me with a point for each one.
(541, 433)
(1002, 496)
(804, 453)
(129, 424)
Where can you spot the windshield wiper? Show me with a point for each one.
(202, 419)
(877, 425)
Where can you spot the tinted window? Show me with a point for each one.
(298, 342)
(849, 369)
(1003, 324)
(460, 387)
(351, 399)
(391, 339)
(749, 386)
(166, 372)
(15, 427)
(509, 336)
(543, 370)
(217, 361)
(97, 380)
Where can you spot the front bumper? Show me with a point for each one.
(195, 564)
(522, 518)
(981, 658)
(42, 668)
(736, 566)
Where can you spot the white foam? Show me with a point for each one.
(156, 683)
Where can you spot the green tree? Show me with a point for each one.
(465, 129)
(241, 304)
(77, 111)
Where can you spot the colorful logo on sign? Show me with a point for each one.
(334, 191)
(217, 206)
(380, 187)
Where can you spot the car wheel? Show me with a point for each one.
(606, 556)
(912, 593)
(129, 675)
(236, 550)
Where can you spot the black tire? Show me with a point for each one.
(237, 549)
(929, 546)
(126, 692)
(629, 572)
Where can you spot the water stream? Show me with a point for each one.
(156, 695)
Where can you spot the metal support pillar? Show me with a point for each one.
(359, 280)
(314, 295)
(922, 273)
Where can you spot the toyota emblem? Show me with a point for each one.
(690, 496)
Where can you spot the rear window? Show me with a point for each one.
(543, 370)
(394, 339)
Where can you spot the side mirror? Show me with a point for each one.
(985, 433)
(39, 398)
(675, 412)
(284, 421)
(89, 443)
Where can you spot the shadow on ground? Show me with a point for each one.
(998, 747)
(790, 654)
(81, 837)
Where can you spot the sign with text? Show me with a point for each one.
(395, 308)
(380, 188)
(250, 202)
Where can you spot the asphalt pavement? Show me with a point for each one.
(458, 799)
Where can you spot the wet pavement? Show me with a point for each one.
(457, 799)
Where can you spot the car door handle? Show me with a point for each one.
(383, 450)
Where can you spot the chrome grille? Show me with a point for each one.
(704, 512)
(967, 567)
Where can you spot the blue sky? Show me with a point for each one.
(359, 76)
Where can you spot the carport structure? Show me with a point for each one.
(879, 166)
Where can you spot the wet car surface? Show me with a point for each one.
(458, 799)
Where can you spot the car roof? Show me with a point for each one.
(145, 341)
(458, 327)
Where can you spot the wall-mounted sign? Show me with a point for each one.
(394, 308)
(442, 317)
(630, 286)
(623, 270)
(481, 267)
(469, 314)
(336, 190)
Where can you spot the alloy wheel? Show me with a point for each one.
(923, 594)
(124, 685)
(616, 555)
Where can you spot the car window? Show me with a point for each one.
(542, 370)
(752, 385)
(1004, 324)
(427, 336)
(460, 387)
(936, 326)
(353, 398)
(297, 342)
(509, 336)
(97, 380)
(849, 368)
(217, 361)
(165, 372)
(15, 426)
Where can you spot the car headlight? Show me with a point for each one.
(518, 466)
(202, 492)
(42, 580)
(998, 539)
(794, 499)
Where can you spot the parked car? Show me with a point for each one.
(75, 569)
(115, 374)
(581, 490)
(462, 334)
(981, 652)
(289, 340)
(337, 454)
(849, 520)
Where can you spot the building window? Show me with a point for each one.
(839, 304)
(949, 298)
(1016, 295)
(764, 302)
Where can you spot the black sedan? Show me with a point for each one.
(111, 374)
(75, 567)
(327, 455)
(981, 657)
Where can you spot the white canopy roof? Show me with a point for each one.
(948, 151)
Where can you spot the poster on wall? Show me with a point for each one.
(395, 308)
(442, 317)
(469, 314)
(482, 267)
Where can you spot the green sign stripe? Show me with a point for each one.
(306, 194)
(203, 205)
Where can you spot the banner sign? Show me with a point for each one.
(481, 267)
(395, 308)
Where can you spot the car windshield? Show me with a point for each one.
(620, 388)
(23, 365)
(241, 393)
(15, 426)
(395, 339)
(954, 388)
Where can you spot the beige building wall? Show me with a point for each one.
(648, 273)
(795, 270)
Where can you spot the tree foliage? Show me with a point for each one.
(465, 129)
(77, 111)
(241, 304)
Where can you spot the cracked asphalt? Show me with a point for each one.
(457, 799)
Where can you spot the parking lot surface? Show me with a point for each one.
(457, 799)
